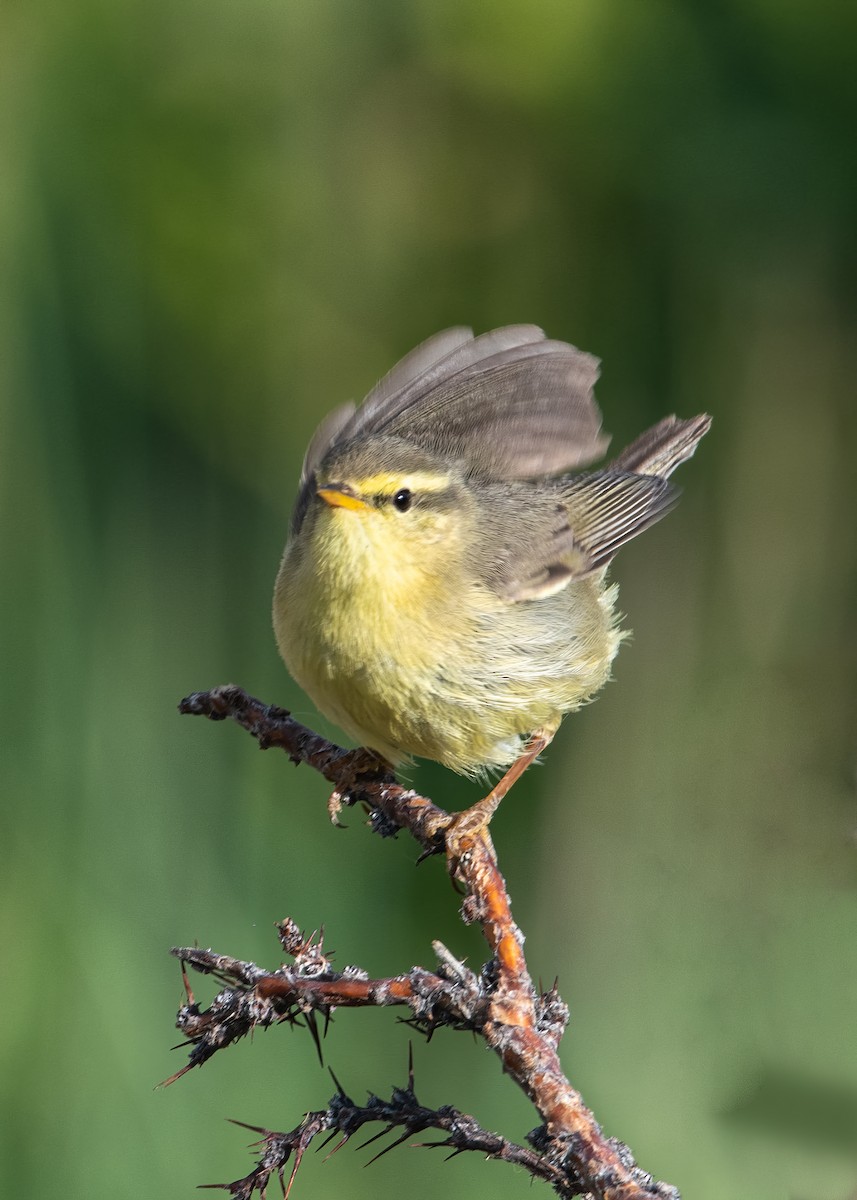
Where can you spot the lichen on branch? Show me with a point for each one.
(500, 1003)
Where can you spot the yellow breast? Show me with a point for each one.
(410, 655)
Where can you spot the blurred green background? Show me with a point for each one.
(218, 220)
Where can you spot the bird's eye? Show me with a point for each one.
(403, 499)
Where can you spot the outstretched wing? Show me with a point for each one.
(518, 414)
(509, 403)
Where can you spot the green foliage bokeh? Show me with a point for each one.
(218, 220)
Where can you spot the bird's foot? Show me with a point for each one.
(457, 832)
(471, 825)
(454, 834)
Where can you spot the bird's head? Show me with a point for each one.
(383, 507)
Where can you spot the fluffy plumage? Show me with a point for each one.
(442, 594)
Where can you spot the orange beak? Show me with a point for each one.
(341, 495)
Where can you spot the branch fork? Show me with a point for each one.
(568, 1149)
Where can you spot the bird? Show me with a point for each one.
(443, 592)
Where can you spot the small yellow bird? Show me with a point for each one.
(442, 593)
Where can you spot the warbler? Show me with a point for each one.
(443, 590)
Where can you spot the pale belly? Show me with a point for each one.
(460, 681)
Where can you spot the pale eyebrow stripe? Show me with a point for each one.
(417, 481)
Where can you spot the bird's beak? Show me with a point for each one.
(341, 495)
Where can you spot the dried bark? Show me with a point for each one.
(500, 1004)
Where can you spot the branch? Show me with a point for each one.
(402, 1111)
(255, 998)
(502, 1004)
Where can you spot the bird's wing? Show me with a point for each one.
(442, 358)
(510, 403)
(326, 435)
(589, 519)
(521, 413)
(414, 365)
(595, 515)
(347, 421)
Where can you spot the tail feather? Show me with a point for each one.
(664, 447)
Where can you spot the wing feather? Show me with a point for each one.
(510, 404)
(593, 516)
(524, 412)
(416, 363)
(324, 437)
(608, 509)
(380, 409)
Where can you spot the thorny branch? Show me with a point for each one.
(501, 1004)
(402, 1111)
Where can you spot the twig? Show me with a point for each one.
(502, 1004)
(255, 998)
(402, 1111)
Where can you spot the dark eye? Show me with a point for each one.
(403, 499)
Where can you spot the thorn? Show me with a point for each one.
(173, 1078)
(188, 990)
(338, 1145)
(340, 1089)
(312, 1026)
(298, 1157)
(429, 852)
(253, 1128)
(375, 1137)
(392, 1146)
(411, 1067)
